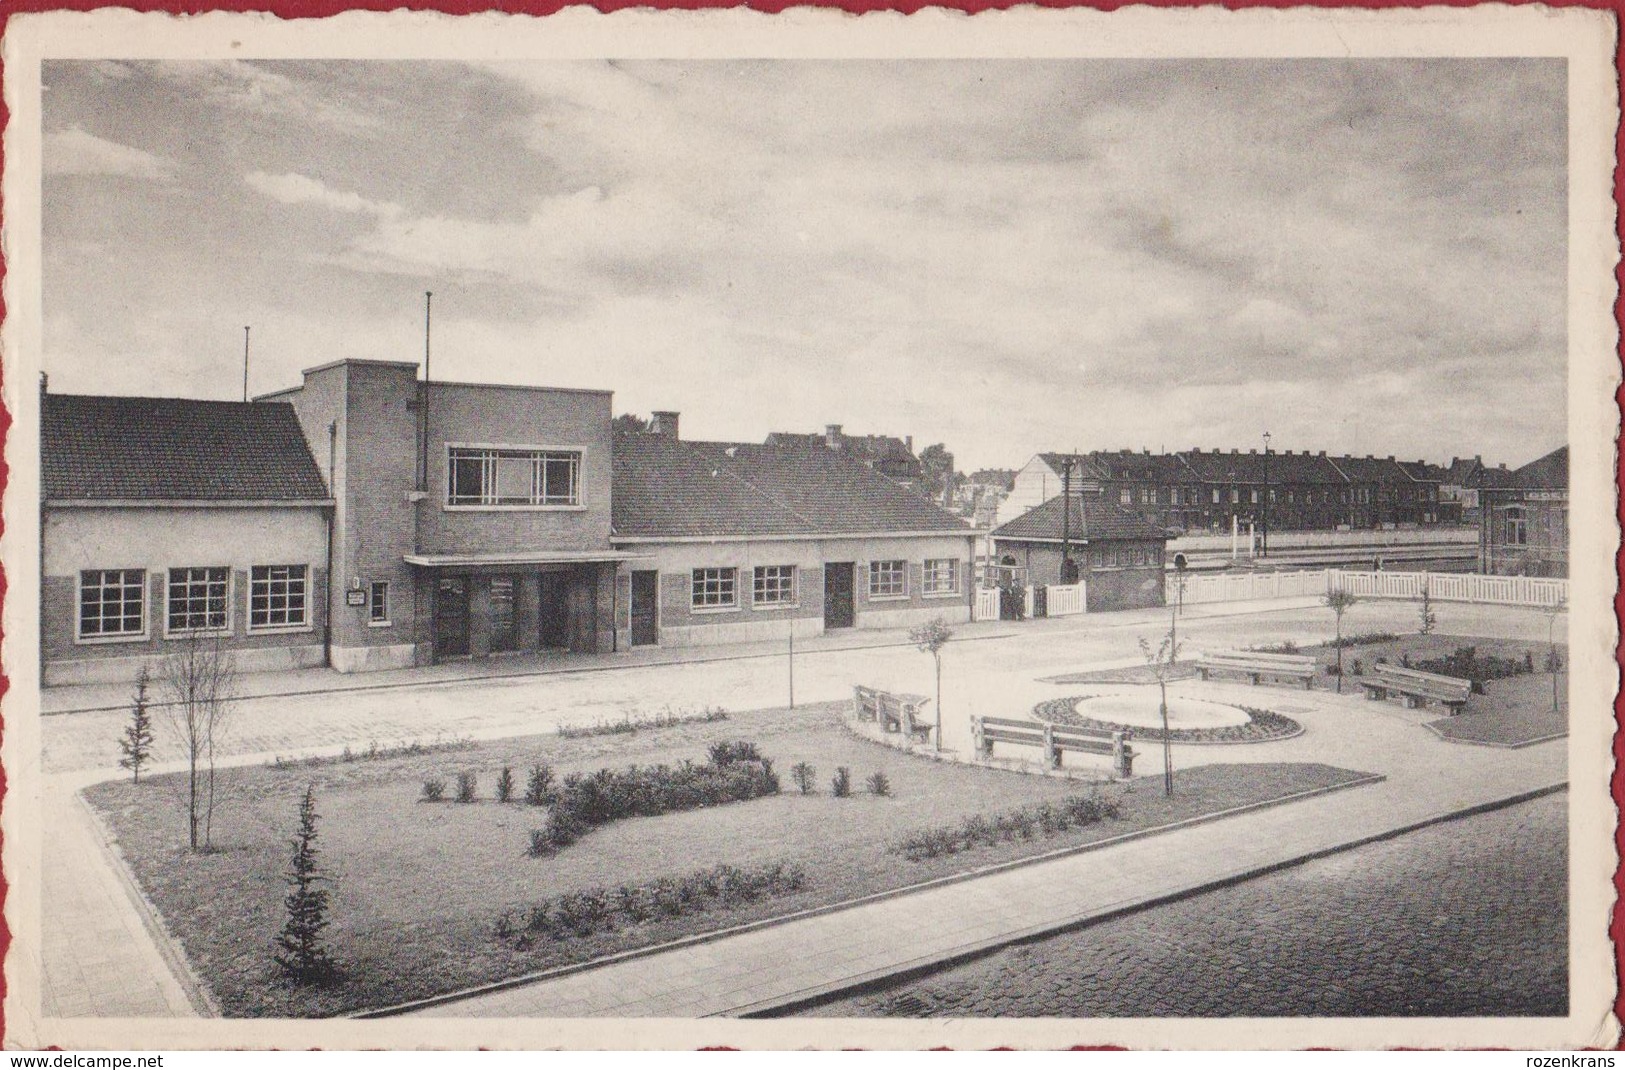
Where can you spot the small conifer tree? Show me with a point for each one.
(137, 740)
(301, 952)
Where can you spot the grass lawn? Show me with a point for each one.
(419, 885)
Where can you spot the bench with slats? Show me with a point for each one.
(1257, 666)
(1055, 740)
(896, 713)
(1417, 688)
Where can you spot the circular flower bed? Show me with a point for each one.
(1262, 726)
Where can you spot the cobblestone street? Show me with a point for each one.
(1464, 918)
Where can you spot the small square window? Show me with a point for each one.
(715, 588)
(941, 576)
(112, 603)
(774, 585)
(197, 599)
(277, 596)
(888, 579)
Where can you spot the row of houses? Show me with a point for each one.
(366, 519)
(1208, 490)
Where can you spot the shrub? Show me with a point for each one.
(1333, 670)
(1026, 822)
(505, 785)
(539, 786)
(729, 751)
(805, 776)
(466, 785)
(1285, 647)
(1363, 639)
(878, 784)
(1358, 669)
(841, 784)
(434, 790)
(301, 948)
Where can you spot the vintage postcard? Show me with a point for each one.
(671, 529)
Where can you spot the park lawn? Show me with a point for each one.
(418, 886)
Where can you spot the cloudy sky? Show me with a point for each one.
(1006, 256)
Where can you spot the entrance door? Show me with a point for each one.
(554, 611)
(645, 607)
(838, 607)
(451, 617)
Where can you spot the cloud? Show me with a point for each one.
(294, 188)
(256, 89)
(75, 152)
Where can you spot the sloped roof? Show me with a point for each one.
(1285, 466)
(1550, 472)
(666, 487)
(1085, 465)
(1090, 521)
(1126, 464)
(1372, 469)
(887, 451)
(179, 449)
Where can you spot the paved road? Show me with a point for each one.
(1462, 918)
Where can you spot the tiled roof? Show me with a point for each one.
(1550, 472)
(665, 487)
(1126, 464)
(887, 452)
(1372, 469)
(97, 448)
(1085, 465)
(1090, 521)
(1295, 466)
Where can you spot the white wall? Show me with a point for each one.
(154, 538)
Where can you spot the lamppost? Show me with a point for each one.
(1264, 549)
(1069, 571)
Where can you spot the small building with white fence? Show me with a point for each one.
(1118, 553)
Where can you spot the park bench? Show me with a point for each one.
(1256, 666)
(1055, 740)
(895, 713)
(1417, 688)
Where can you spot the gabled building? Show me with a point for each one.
(1118, 553)
(739, 542)
(168, 521)
(892, 457)
(1524, 519)
(1043, 477)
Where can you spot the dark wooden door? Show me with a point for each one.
(504, 634)
(838, 607)
(451, 617)
(645, 607)
(554, 610)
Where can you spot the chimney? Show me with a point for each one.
(1478, 459)
(663, 423)
(1322, 452)
(832, 436)
(1390, 458)
(1369, 457)
(908, 443)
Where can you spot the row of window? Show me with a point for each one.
(485, 476)
(113, 602)
(776, 585)
(1192, 496)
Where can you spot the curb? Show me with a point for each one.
(1429, 725)
(930, 964)
(632, 954)
(167, 946)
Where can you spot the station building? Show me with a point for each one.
(1118, 553)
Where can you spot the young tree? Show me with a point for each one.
(931, 637)
(136, 742)
(1161, 662)
(301, 953)
(200, 681)
(1428, 617)
(1553, 663)
(630, 422)
(937, 466)
(1339, 602)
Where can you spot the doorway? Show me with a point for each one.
(451, 617)
(554, 611)
(645, 607)
(839, 611)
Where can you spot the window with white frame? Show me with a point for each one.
(514, 477)
(378, 602)
(888, 579)
(941, 576)
(1125, 496)
(716, 588)
(1517, 527)
(773, 585)
(197, 600)
(278, 596)
(1215, 495)
(112, 603)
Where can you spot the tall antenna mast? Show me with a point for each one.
(245, 363)
(423, 466)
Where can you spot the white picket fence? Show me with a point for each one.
(1442, 586)
(987, 604)
(1066, 601)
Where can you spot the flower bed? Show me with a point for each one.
(1262, 726)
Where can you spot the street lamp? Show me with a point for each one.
(1264, 549)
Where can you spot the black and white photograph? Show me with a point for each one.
(671, 529)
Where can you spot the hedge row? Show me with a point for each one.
(1039, 819)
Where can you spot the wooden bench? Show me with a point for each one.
(1055, 740)
(1417, 688)
(1257, 666)
(896, 713)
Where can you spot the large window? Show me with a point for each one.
(112, 603)
(515, 477)
(774, 585)
(716, 588)
(278, 596)
(198, 599)
(941, 576)
(888, 579)
(1517, 527)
